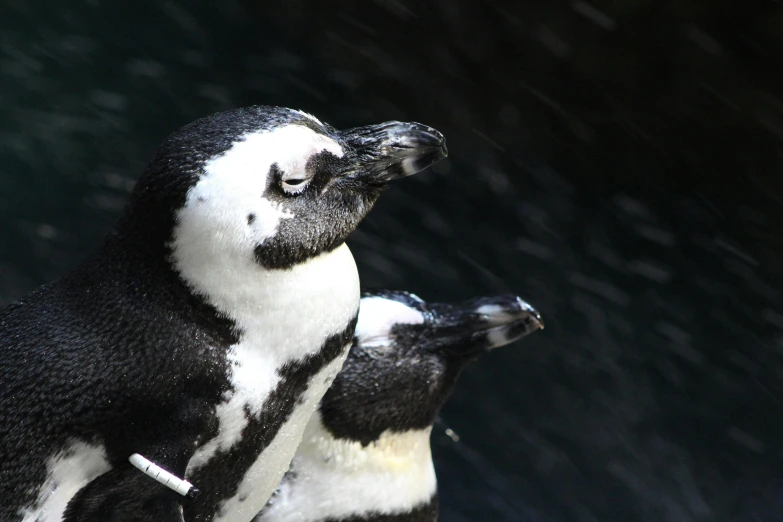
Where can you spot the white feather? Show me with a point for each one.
(284, 315)
(337, 479)
(377, 317)
(67, 471)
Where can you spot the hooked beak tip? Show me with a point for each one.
(535, 317)
(509, 319)
(425, 157)
(399, 149)
(483, 324)
(416, 146)
(536, 323)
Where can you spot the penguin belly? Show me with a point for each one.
(284, 362)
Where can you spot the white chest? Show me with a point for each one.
(335, 479)
(284, 316)
(265, 474)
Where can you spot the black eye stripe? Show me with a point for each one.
(319, 170)
(275, 174)
(275, 179)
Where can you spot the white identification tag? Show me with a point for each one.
(149, 468)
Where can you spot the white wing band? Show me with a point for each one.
(151, 469)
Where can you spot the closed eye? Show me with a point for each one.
(295, 186)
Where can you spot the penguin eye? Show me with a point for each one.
(294, 186)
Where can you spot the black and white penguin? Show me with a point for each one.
(204, 331)
(365, 454)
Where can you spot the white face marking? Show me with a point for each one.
(213, 229)
(213, 251)
(274, 310)
(68, 471)
(378, 316)
(336, 478)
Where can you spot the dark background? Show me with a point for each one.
(618, 164)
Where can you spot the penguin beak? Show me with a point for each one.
(392, 150)
(476, 326)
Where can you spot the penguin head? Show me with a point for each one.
(407, 355)
(272, 183)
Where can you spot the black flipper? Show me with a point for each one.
(125, 494)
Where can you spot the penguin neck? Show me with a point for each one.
(263, 301)
(396, 453)
(335, 479)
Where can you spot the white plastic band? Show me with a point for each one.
(151, 469)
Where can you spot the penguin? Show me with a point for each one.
(203, 332)
(365, 454)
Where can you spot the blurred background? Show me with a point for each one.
(617, 163)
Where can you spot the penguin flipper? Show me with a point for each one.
(124, 494)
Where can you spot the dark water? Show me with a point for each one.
(618, 164)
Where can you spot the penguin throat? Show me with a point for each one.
(391, 476)
(392, 453)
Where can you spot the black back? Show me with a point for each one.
(111, 353)
(402, 388)
(119, 351)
